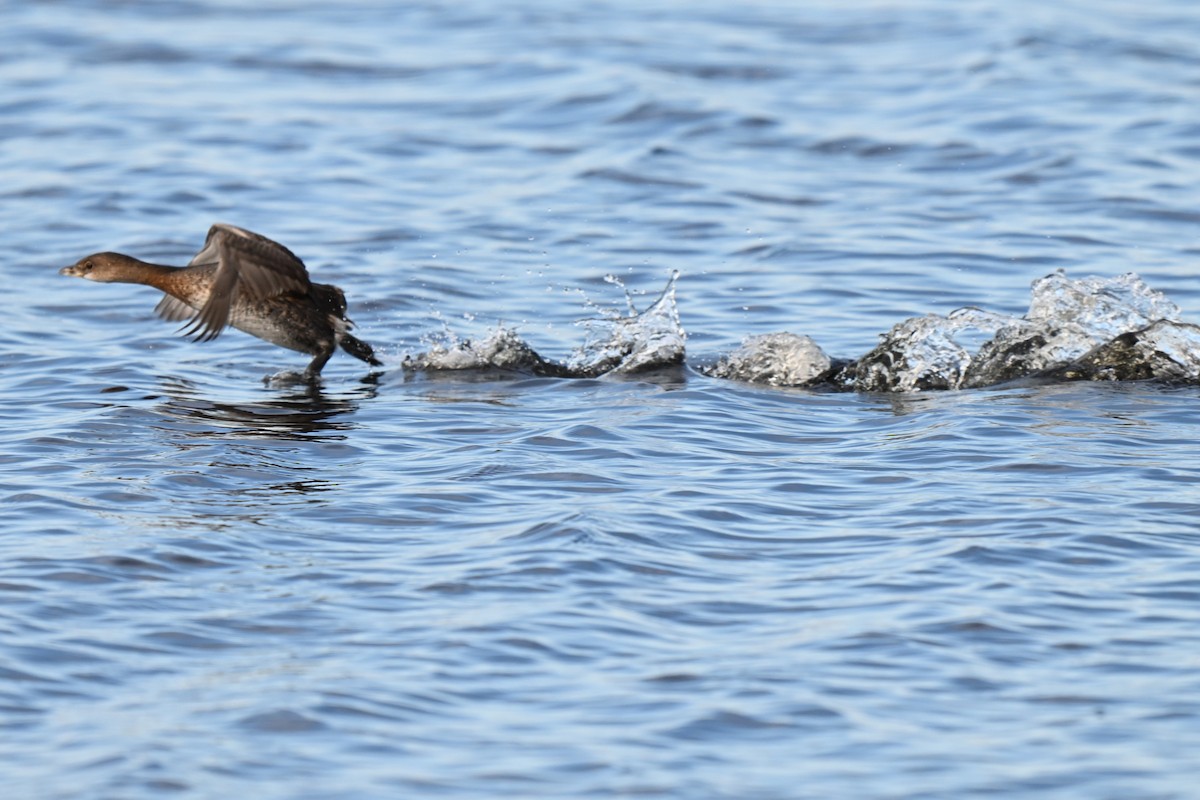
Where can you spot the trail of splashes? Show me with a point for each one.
(1075, 329)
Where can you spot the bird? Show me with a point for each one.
(243, 280)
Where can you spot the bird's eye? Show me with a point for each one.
(87, 265)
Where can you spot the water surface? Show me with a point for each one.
(489, 584)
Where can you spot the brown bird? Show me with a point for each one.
(245, 280)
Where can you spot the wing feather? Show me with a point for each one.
(172, 309)
(248, 266)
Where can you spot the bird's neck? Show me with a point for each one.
(133, 270)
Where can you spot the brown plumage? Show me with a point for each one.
(246, 281)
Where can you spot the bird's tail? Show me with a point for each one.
(359, 349)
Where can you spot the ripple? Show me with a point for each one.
(283, 721)
(489, 583)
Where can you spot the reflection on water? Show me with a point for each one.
(301, 411)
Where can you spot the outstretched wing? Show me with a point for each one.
(247, 266)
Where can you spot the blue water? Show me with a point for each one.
(485, 584)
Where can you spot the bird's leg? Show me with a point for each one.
(318, 362)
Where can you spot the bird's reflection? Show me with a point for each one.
(302, 411)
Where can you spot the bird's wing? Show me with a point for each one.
(172, 309)
(247, 265)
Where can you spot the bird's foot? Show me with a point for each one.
(291, 378)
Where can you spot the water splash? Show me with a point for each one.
(638, 342)
(776, 359)
(1103, 307)
(1076, 329)
(922, 353)
(1164, 351)
(1066, 319)
(627, 344)
(502, 348)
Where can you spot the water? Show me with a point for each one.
(485, 583)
